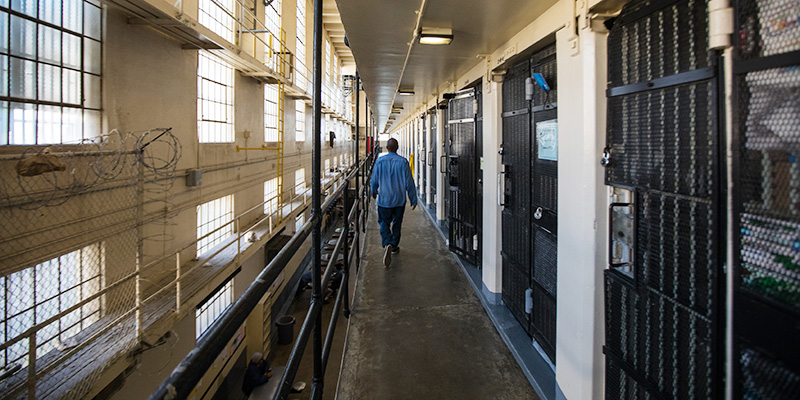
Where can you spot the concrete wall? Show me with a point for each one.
(150, 81)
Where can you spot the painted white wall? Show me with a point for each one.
(492, 165)
(582, 204)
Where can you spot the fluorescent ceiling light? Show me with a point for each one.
(405, 92)
(435, 36)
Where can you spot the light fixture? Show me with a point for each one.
(406, 92)
(435, 36)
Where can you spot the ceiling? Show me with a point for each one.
(381, 32)
(332, 23)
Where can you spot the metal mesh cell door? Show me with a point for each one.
(476, 246)
(461, 175)
(544, 199)
(515, 196)
(432, 153)
(766, 144)
(423, 154)
(664, 316)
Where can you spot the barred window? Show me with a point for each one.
(327, 167)
(270, 113)
(300, 181)
(215, 99)
(214, 219)
(32, 296)
(208, 312)
(300, 50)
(50, 71)
(300, 121)
(271, 196)
(219, 16)
(327, 75)
(327, 126)
(272, 20)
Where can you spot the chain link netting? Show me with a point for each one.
(71, 239)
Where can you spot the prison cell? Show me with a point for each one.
(530, 159)
(432, 160)
(462, 168)
(766, 356)
(664, 321)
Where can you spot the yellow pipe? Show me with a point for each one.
(256, 148)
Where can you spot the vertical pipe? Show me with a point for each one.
(366, 152)
(316, 391)
(358, 136)
(178, 282)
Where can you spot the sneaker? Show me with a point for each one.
(395, 249)
(387, 256)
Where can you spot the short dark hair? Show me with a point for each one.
(392, 145)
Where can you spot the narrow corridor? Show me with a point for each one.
(418, 331)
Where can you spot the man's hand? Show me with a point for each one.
(374, 196)
(413, 208)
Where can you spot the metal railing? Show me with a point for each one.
(191, 369)
(182, 272)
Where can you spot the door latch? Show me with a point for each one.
(605, 161)
(538, 213)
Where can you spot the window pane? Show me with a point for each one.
(72, 125)
(3, 75)
(23, 123)
(50, 11)
(23, 37)
(73, 19)
(49, 122)
(91, 21)
(4, 123)
(91, 124)
(71, 87)
(91, 91)
(71, 51)
(91, 56)
(23, 78)
(49, 83)
(25, 6)
(49, 45)
(3, 32)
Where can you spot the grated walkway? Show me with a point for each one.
(418, 331)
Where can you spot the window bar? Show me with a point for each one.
(178, 282)
(32, 366)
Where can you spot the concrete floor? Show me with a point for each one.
(418, 331)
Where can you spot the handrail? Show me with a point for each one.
(189, 371)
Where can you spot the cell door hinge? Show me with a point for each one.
(720, 24)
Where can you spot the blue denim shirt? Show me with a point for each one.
(391, 179)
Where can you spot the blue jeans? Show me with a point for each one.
(390, 219)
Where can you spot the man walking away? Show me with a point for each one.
(391, 180)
